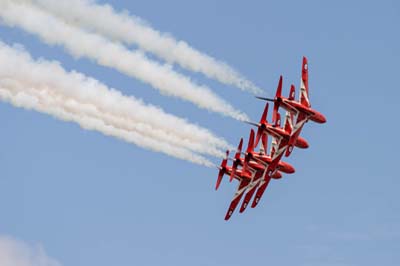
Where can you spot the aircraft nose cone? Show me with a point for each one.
(286, 167)
(290, 168)
(302, 143)
(319, 118)
(323, 119)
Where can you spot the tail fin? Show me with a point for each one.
(278, 120)
(264, 140)
(250, 146)
(249, 151)
(277, 95)
(292, 92)
(237, 159)
(304, 95)
(279, 88)
(274, 147)
(222, 170)
(239, 149)
(288, 122)
(264, 114)
(304, 73)
(263, 120)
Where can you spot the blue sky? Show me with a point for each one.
(95, 200)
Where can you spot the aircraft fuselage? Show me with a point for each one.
(294, 107)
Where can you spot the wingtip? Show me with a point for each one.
(251, 123)
(305, 64)
(261, 98)
(228, 215)
(265, 99)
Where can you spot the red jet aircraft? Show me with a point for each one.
(282, 136)
(257, 169)
(250, 173)
(302, 108)
(264, 160)
(244, 178)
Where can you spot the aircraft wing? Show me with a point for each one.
(236, 198)
(281, 146)
(252, 187)
(301, 120)
(261, 189)
(267, 175)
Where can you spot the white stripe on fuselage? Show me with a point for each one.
(239, 192)
(299, 125)
(303, 91)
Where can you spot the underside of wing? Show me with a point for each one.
(236, 198)
(252, 187)
(300, 121)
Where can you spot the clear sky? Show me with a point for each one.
(89, 199)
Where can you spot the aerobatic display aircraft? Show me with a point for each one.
(255, 169)
(243, 177)
(300, 108)
(266, 161)
(248, 176)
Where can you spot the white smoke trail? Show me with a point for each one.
(124, 112)
(123, 27)
(46, 87)
(22, 95)
(82, 44)
(71, 105)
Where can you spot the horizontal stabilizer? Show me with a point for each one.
(265, 99)
(222, 170)
(252, 123)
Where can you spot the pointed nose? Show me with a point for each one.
(286, 167)
(322, 119)
(319, 118)
(302, 143)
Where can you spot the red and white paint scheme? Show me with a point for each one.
(264, 160)
(255, 170)
(248, 176)
(244, 178)
(282, 137)
(301, 108)
(275, 130)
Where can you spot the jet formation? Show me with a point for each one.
(254, 170)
